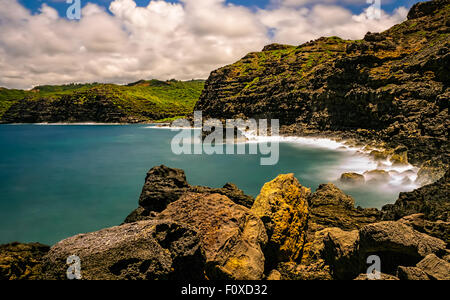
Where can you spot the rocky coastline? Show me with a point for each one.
(387, 94)
(388, 90)
(184, 232)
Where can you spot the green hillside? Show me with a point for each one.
(142, 101)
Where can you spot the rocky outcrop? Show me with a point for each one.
(330, 207)
(283, 207)
(352, 178)
(390, 88)
(411, 273)
(435, 268)
(164, 185)
(431, 200)
(438, 229)
(21, 261)
(144, 250)
(397, 244)
(231, 236)
(423, 9)
(340, 252)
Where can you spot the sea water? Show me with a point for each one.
(61, 180)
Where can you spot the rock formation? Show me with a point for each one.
(144, 250)
(231, 236)
(283, 207)
(21, 261)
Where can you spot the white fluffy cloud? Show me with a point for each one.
(163, 40)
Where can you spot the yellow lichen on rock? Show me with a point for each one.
(283, 207)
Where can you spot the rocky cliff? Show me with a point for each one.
(390, 87)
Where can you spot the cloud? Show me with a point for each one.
(163, 40)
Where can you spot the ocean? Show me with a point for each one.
(61, 180)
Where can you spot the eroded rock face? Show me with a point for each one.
(397, 244)
(435, 268)
(438, 229)
(143, 250)
(330, 207)
(231, 236)
(411, 273)
(340, 251)
(283, 207)
(21, 261)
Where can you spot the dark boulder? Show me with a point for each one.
(143, 250)
(432, 200)
(397, 245)
(162, 186)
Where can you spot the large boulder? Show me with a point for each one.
(230, 190)
(21, 261)
(352, 178)
(340, 252)
(435, 268)
(411, 273)
(330, 207)
(143, 250)
(231, 236)
(283, 207)
(164, 185)
(397, 244)
(438, 229)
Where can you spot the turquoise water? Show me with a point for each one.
(58, 181)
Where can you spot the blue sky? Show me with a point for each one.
(61, 6)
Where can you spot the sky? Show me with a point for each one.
(121, 41)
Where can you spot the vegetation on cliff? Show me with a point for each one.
(390, 87)
(142, 101)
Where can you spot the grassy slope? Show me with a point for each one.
(143, 98)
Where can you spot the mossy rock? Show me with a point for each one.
(283, 207)
(353, 178)
(379, 155)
